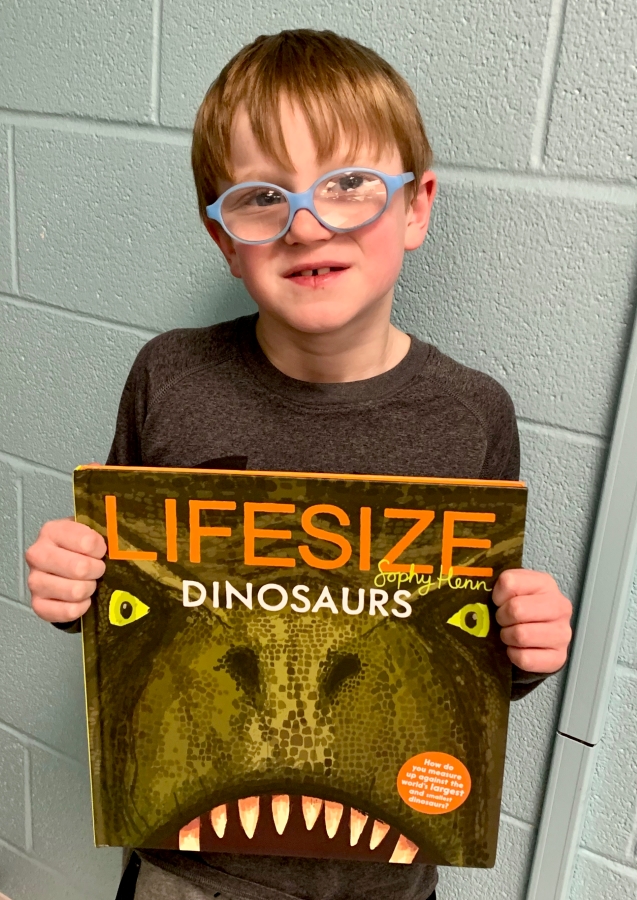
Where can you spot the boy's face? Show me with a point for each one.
(368, 260)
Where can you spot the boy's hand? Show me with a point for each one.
(65, 562)
(535, 618)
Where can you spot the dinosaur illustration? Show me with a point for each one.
(275, 715)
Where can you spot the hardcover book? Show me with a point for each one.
(298, 664)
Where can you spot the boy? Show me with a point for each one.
(320, 380)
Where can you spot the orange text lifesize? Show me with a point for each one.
(418, 521)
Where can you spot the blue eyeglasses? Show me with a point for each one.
(256, 212)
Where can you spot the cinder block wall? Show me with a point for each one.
(528, 273)
(610, 827)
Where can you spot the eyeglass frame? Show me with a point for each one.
(298, 200)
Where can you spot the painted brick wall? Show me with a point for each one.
(610, 827)
(528, 273)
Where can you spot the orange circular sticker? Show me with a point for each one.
(434, 783)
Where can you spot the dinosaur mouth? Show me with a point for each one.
(289, 825)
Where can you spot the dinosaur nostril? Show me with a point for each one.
(242, 664)
(340, 668)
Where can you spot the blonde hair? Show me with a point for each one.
(344, 89)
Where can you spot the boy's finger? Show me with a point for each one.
(534, 608)
(544, 662)
(58, 610)
(543, 636)
(74, 536)
(51, 559)
(51, 587)
(521, 581)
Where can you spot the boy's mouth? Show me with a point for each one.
(315, 276)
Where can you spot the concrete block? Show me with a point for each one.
(628, 648)
(88, 59)
(506, 881)
(60, 384)
(22, 878)
(5, 234)
(564, 476)
(609, 827)
(537, 290)
(532, 725)
(63, 826)
(41, 681)
(592, 128)
(198, 39)
(110, 227)
(45, 497)
(9, 550)
(475, 67)
(11, 790)
(595, 877)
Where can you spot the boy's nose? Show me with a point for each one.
(306, 228)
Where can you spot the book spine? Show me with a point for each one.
(84, 512)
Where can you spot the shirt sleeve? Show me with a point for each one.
(503, 462)
(522, 683)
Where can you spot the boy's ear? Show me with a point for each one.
(225, 244)
(419, 211)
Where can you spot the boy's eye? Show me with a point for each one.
(255, 197)
(351, 181)
(249, 198)
(472, 618)
(125, 608)
(268, 198)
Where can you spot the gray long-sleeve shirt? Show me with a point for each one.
(209, 397)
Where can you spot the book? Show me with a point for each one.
(298, 664)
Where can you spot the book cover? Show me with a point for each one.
(298, 664)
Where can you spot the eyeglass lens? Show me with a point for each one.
(347, 200)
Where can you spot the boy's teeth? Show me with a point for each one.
(308, 272)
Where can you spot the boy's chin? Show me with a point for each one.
(321, 318)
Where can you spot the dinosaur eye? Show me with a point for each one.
(472, 618)
(125, 608)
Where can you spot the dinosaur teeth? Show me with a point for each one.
(404, 851)
(356, 824)
(280, 811)
(189, 836)
(379, 831)
(333, 813)
(249, 814)
(311, 810)
(219, 820)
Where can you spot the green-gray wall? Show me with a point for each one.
(528, 273)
